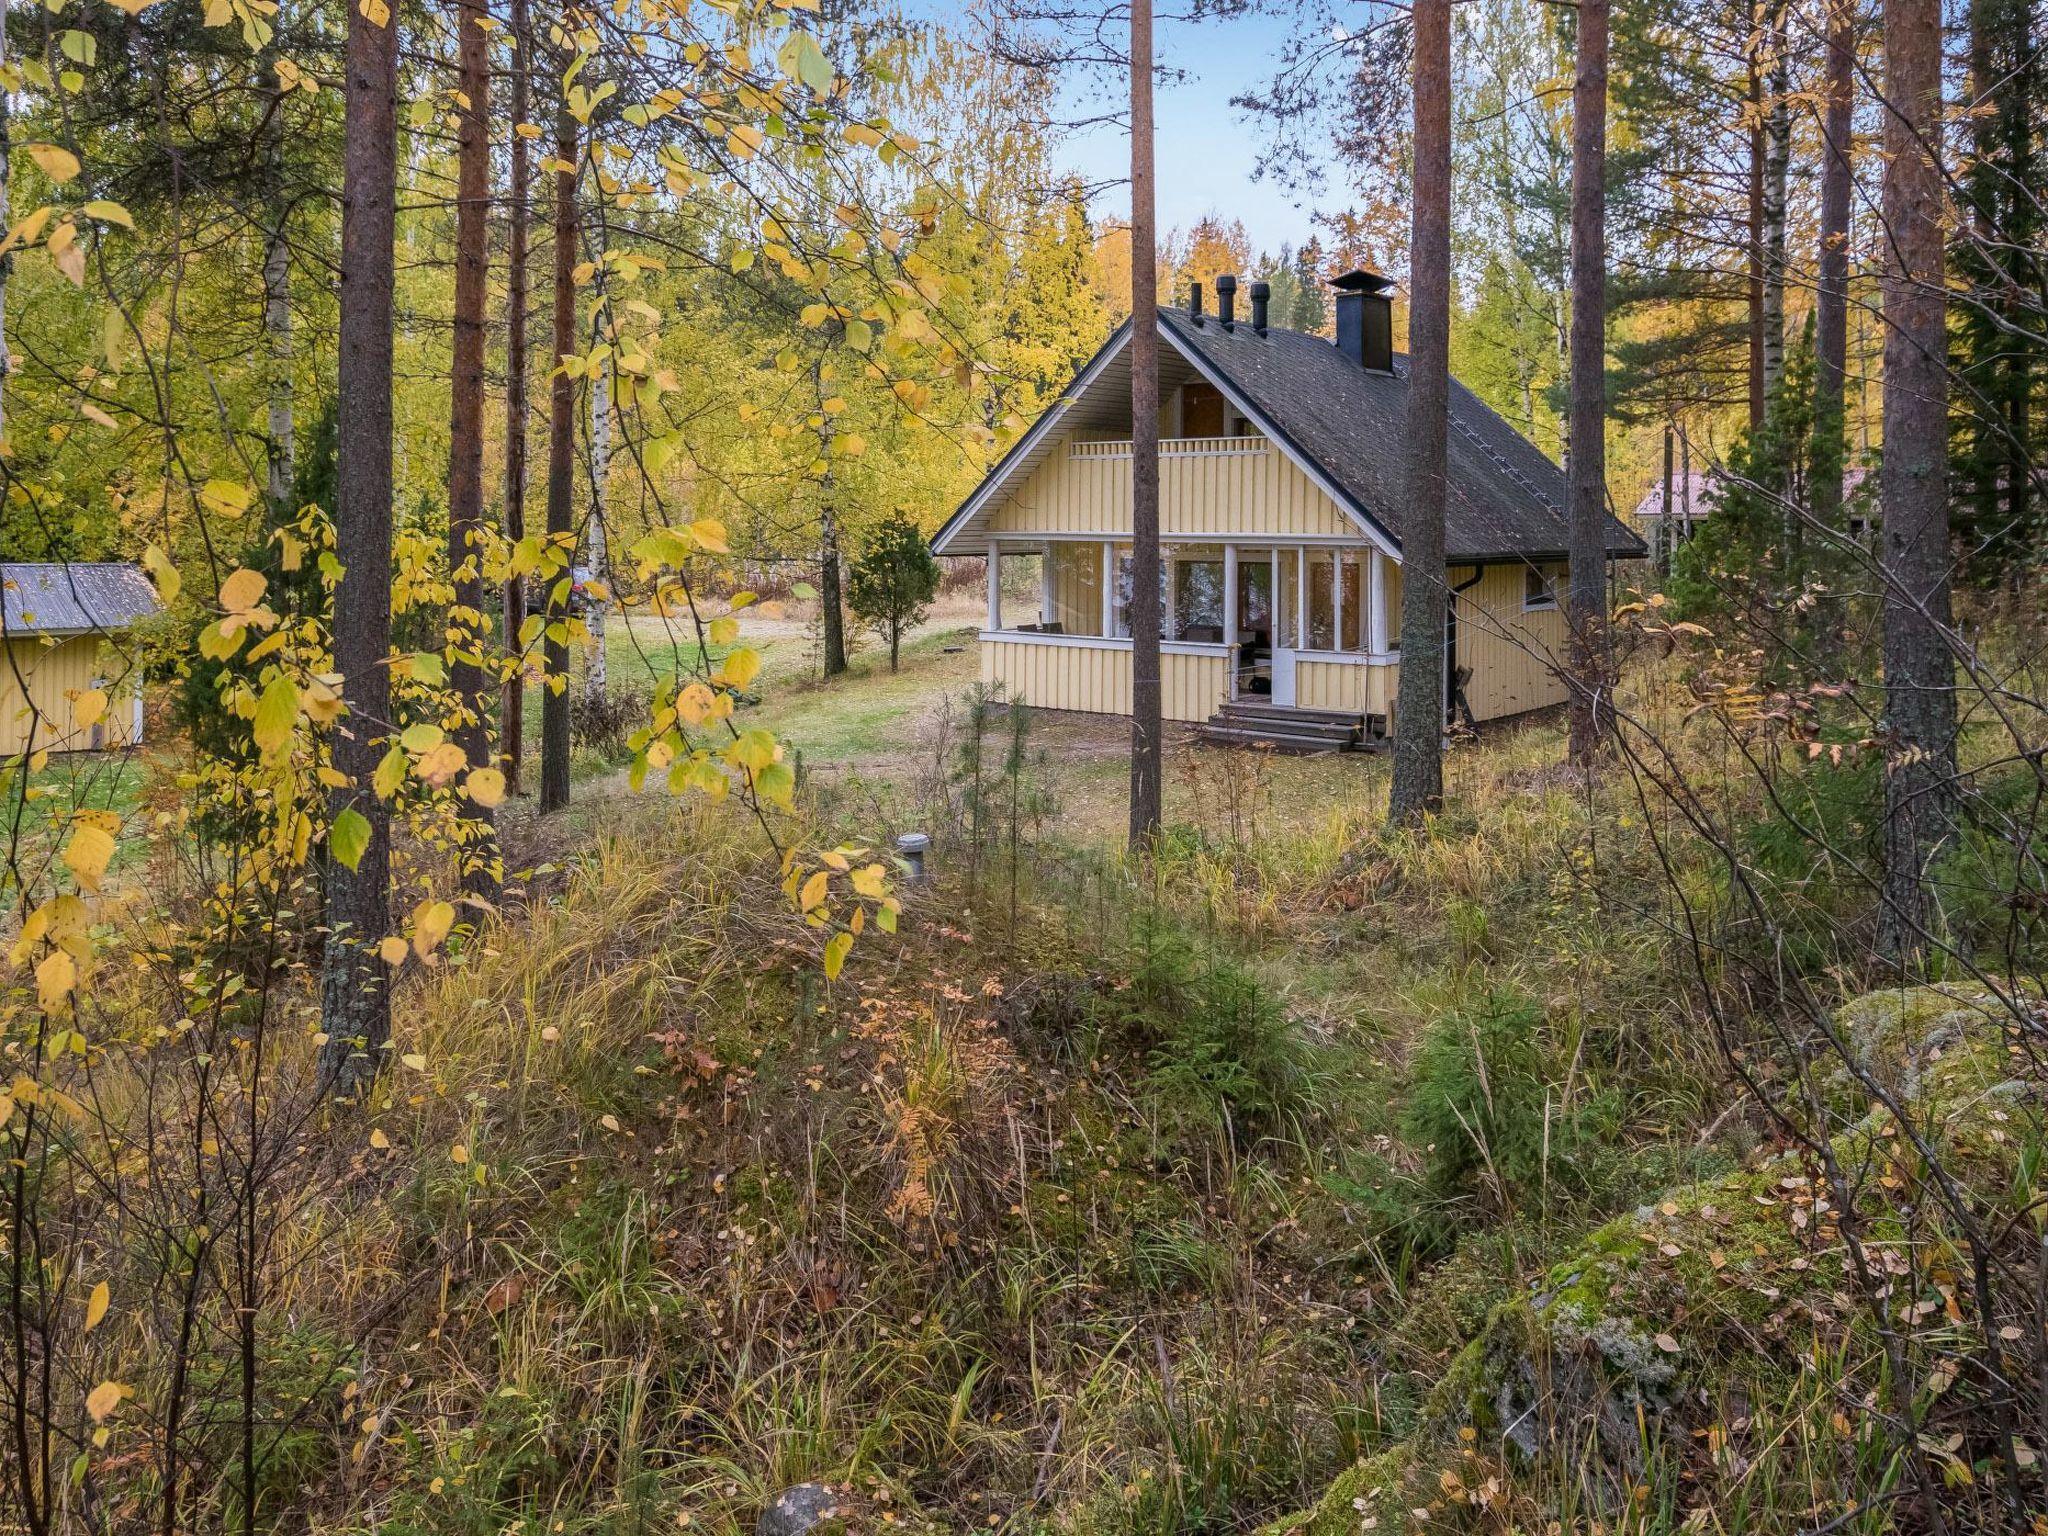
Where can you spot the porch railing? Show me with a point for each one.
(1171, 447)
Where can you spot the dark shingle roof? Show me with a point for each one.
(73, 596)
(1505, 498)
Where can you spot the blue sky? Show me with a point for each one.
(1208, 151)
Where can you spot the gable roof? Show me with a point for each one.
(1342, 425)
(73, 597)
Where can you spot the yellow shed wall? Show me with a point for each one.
(1097, 679)
(51, 672)
(1512, 654)
(1231, 490)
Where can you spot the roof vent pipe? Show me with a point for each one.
(1262, 294)
(1226, 300)
(1195, 302)
(1365, 320)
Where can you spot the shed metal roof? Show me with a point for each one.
(73, 597)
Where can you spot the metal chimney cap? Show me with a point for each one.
(1358, 280)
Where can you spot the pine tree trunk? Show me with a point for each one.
(355, 1001)
(1831, 320)
(513, 708)
(1919, 670)
(1777, 170)
(554, 706)
(1592, 679)
(477, 842)
(280, 448)
(1147, 725)
(1419, 706)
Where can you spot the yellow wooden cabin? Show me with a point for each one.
(1280, 486)
(63, 650)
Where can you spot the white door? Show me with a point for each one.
(1283, 675)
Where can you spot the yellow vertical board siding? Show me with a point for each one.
(52, 673)
(1231, 491)
(1096, 679)
(1330, 685)
(1513, 655)
(1382, 684)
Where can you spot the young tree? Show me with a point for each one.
(561, 513)
(893, 580)
(518, 214)
(1147, 724)
(1419, 706)
(355, 999)
(1586, 467)
(477, 855)
(1919, 672)
(1831, 305)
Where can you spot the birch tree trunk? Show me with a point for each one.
(596, 678)
(831, 586)
(1777, 169)
(554, 699)
(477, 840)
(1831, 319)
(1586, 469)
(355, 1001)
(518, 214)
(1919, 671)
(1147, 725)
(1419, 706)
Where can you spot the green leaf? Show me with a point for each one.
(349, 838)
(801, 57)
(276, 712)
(836, 949)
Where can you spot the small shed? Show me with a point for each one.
(62, 631)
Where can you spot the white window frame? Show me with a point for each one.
(1547, 603)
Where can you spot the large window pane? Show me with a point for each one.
(1077, 588)
(1198, 600)
(1255, 600)
(1351, 564)
(1322, 600)
(1289, 604)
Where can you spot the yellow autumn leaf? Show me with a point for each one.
(709, 533)
(89, 707)
(243, 590)
(458, 1153)
(431, 921)
(486, 786)
(871, 881)
(104, 1399)
(836, 949)
(54, 161)
(379, 1141)
(96, 1305)
(393, 950)
(814, 891)
(86, 855)
(55, 978)
(165, 574)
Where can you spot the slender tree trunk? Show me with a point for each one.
(1831, 319)
(477, 850)
(6, 222)
(1147, 725)
(513, 709)
(355, 1005)
(1756, 243)
(1919, 671)
(596, 675)
(1419, 705)
(831, 565)
(1777, 172)
(280, 447)
(554, 706)
(1667, 525)
(1592, 679)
